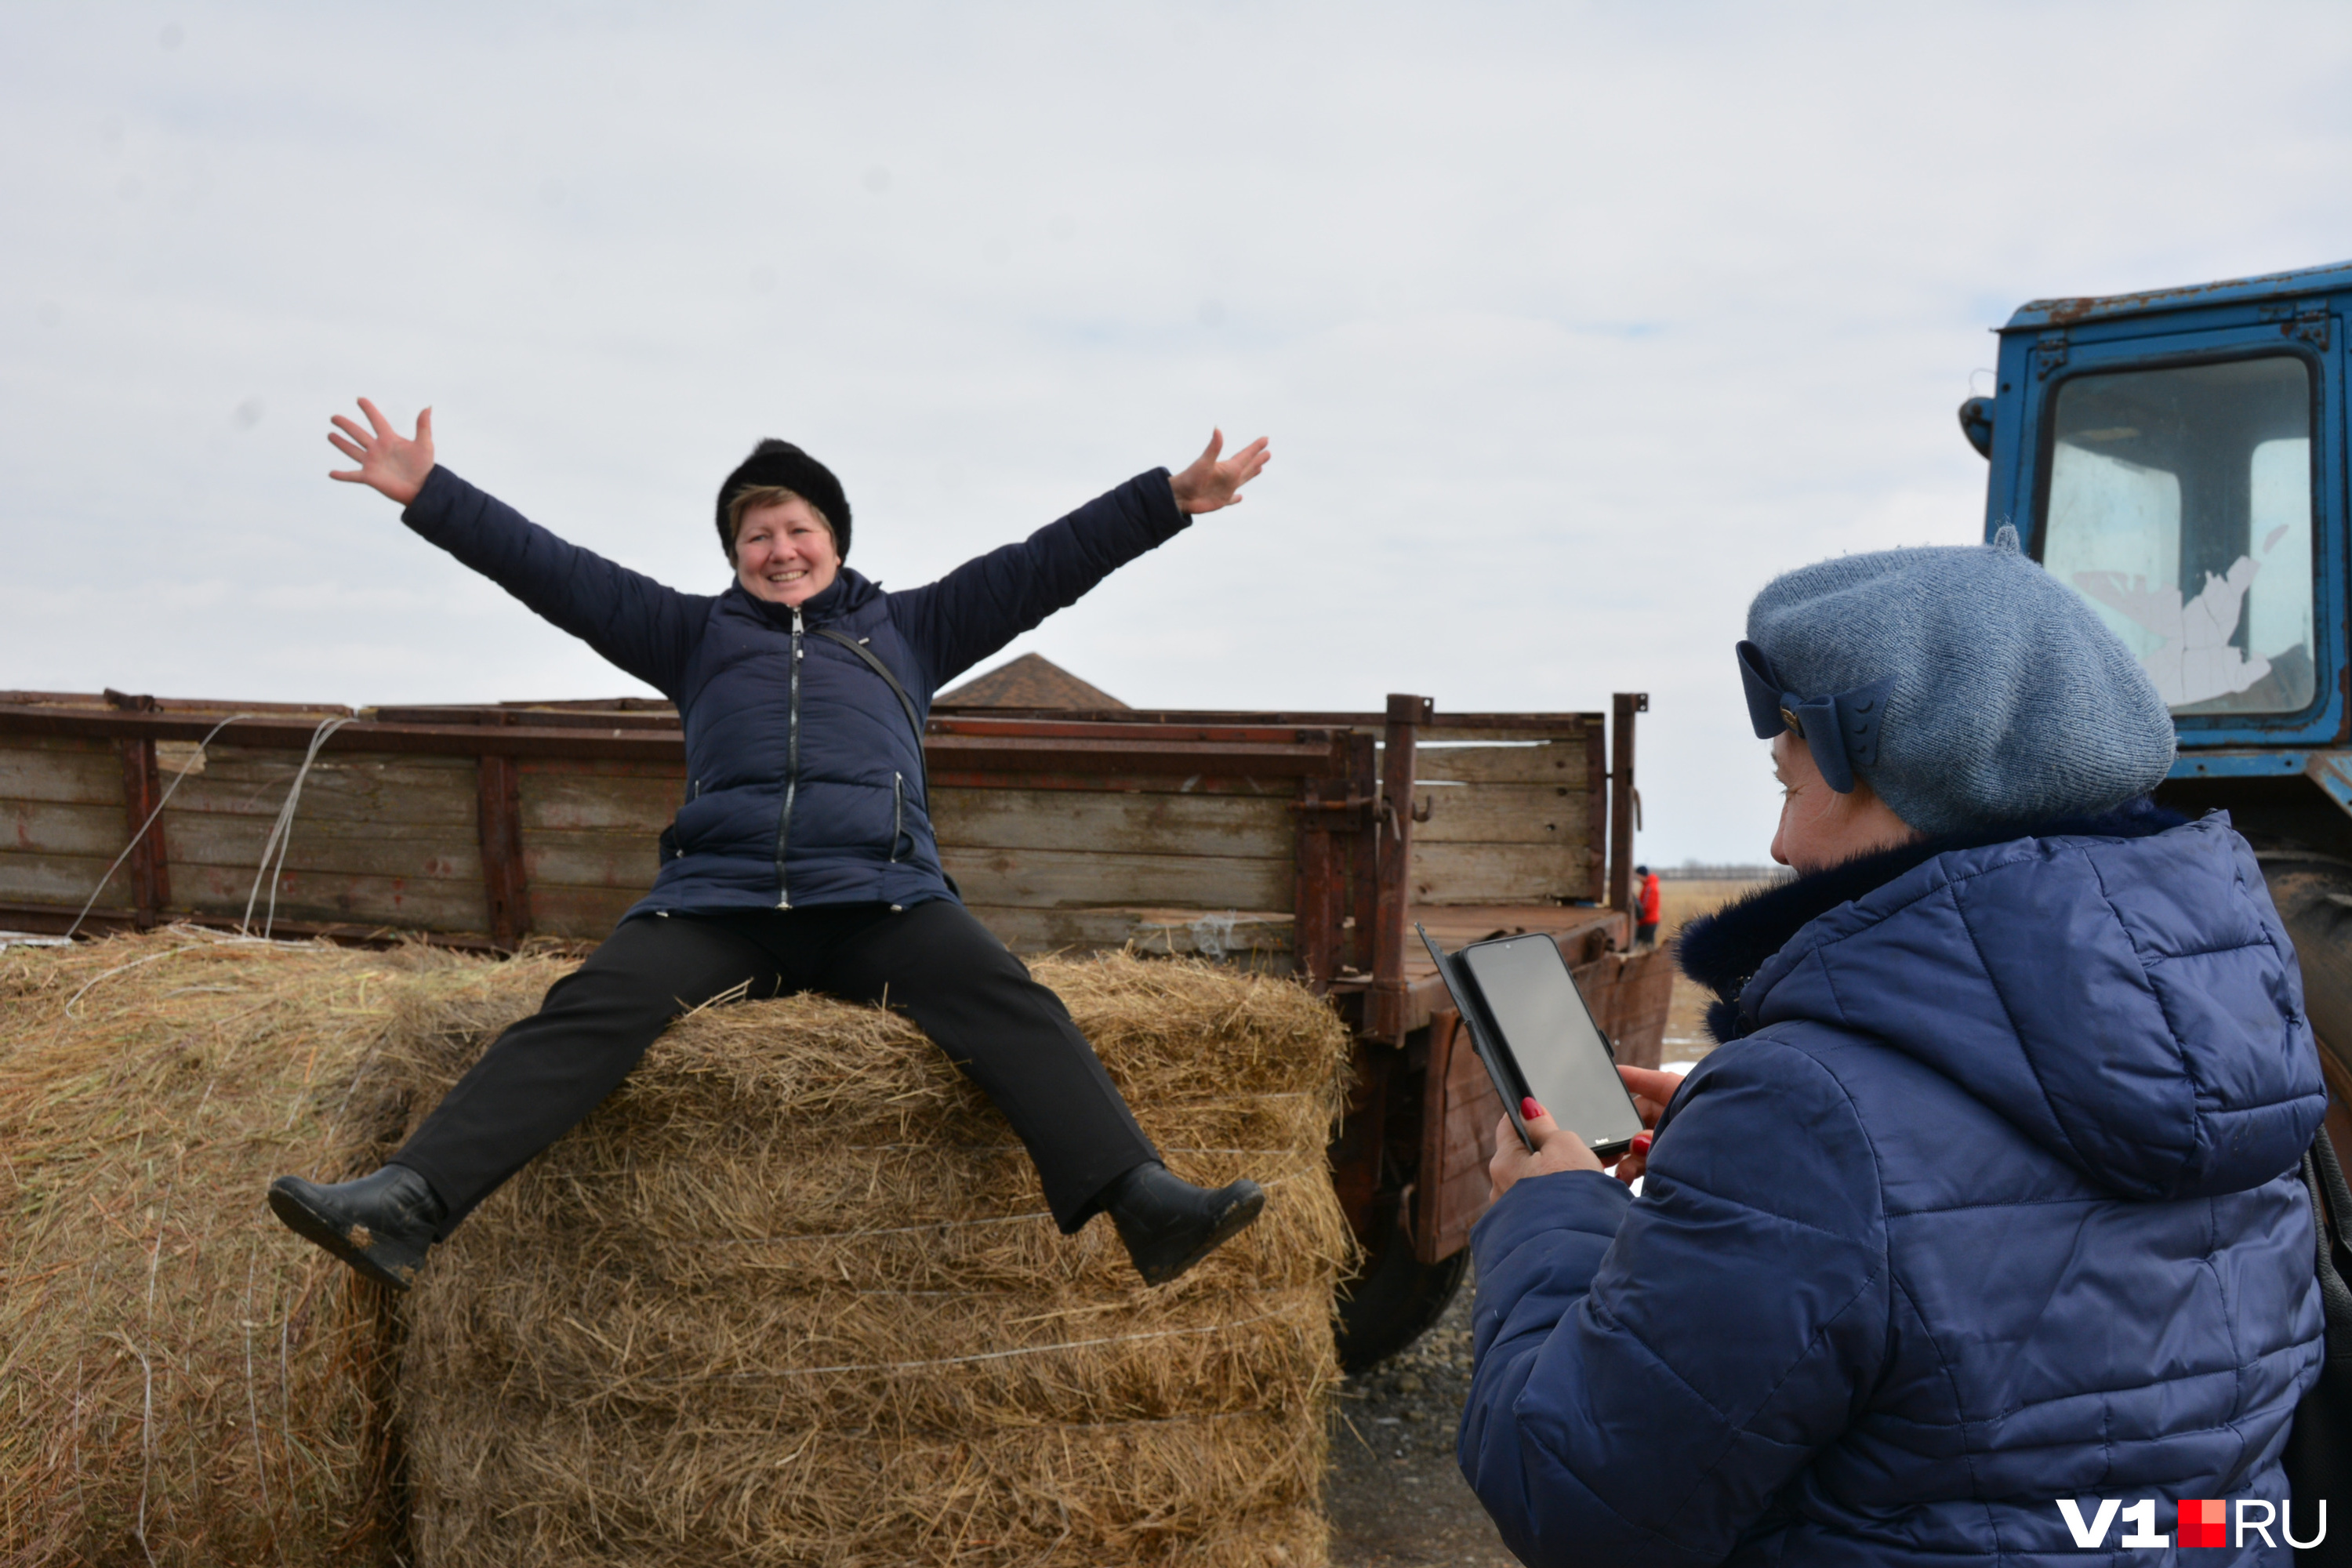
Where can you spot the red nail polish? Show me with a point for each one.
(1529, 1110)
(1641, 1142)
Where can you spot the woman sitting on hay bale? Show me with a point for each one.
(803, 858)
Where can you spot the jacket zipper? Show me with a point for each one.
(897, 813)
(791, 768)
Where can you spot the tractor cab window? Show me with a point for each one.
(2180, 505)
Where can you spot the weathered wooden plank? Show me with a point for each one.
(1582, 932)
(1234, 826)
(45, 827)
(1454, 1162)
(1442, 735)
(1631, 994)
(1258, 940)
(1135, 749)
(598, 796)
(405, 902)
(62, 771)
(627, 861)
(1078, 778)
(581, 914)
(97, 745)
(67, 879)
(1502, 814)
(400, 849)
(1552, 763)
(606, 767)
(1051, 879)
(297, 734)
(356, 786)
(498, 824)
(1596, 796)
(1264, 939)
(1472, 1110)
(1501, 873)
(1465, 1194)
(176, 757)
(403, 766)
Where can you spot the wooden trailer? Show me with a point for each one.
(1303, 844)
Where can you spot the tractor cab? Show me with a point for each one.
(2178, 458)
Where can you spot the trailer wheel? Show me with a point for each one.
(1396, 1299)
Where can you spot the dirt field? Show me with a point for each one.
(1686, 1040)
(1395, 1498)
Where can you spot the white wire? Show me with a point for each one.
(282, 832)
(151, 816)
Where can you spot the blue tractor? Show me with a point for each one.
(2177, 458)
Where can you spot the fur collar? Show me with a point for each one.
(1724, 951)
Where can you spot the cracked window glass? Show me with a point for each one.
(2179, 506)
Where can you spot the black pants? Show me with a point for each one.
(941, 968)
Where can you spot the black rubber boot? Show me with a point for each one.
(1169, 1224)
(379, 1225)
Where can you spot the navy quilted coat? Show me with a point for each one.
(1992, 1201)
(806, 776)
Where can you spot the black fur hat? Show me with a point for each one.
(781, 463)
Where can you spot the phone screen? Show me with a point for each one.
(1534, 1006)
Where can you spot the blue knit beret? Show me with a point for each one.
(1966, 684)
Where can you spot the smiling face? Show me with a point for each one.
(1820, 827)
(785, 552)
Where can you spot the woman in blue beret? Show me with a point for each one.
(1982, 1225)
(803, 856)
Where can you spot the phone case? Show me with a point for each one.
(1484, 1039)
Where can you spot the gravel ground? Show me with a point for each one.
(1395, 1497)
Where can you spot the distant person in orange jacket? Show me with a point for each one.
(1646, 899)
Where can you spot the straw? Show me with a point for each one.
(791, 1296)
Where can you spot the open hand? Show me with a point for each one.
(389, 462)
(1557, 1149)
(1209, 484)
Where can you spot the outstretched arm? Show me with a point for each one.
(642, 625)
(985, 602)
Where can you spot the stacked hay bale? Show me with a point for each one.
(791, 1296)
(177, 1384)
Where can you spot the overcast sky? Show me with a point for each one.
(1571, 324)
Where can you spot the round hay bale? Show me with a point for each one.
(791, 1296)
(177, 1385)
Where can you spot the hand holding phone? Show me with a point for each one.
(1557, 1149)
(1531, 1028)
(1651, 1090)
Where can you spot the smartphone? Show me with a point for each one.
(1532, 1026)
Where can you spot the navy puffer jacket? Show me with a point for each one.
(805, 777)
(1991, 1202)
